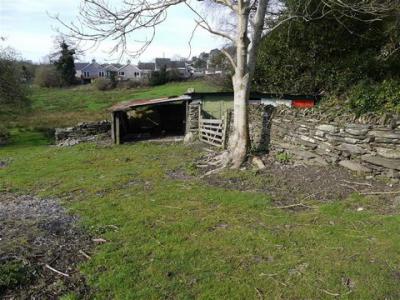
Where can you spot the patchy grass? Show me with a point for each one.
(55, 107)
(184, 239)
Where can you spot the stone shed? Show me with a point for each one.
(205, 114)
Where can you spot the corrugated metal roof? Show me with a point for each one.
(128, 105)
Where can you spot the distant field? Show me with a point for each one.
(64, 107)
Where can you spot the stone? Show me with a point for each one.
(304, 154)
(319, 133)
(381, 161)
(308, 139)
(258, 163)
(353, 140)
(327, 128)
(189, 138)
(392, 174)
(353, 149)
(357, 129)
(388, 153)
(385, 134)
(335, 139)
(396, 202)
(354, 166)
(357, 132)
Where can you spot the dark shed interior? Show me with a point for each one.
(150, 121)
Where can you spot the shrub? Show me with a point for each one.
(174, 75)
(4, 135)
(103, 84)
(129, 84)
(379, 97)
(47, 76)
(13, 93)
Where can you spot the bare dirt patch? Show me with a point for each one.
(295, 183)
(34, 233)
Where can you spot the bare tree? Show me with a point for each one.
(246, 22)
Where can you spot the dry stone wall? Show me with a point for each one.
(83, 132)
(193, 116)
(368, 145)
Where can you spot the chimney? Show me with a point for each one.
(93, 61)
(128, 62)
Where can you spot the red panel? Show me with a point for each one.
(303, 103)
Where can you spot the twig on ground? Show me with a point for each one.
(217, 170)
(84, 254)
(56, 271)
(99, 240)
(381, 193)
(259, 293)
(294, 205)
(167, 206)
(357, 183)
(330, 293)
(351, 187)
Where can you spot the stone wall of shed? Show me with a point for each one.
(369, 145)
(193, 115)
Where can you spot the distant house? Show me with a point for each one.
(129, 72)
(109, 69)
(147, 68)
(89, 71)
(181, 66)
(78, 69)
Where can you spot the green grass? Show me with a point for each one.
(182, 239)
(54, 107)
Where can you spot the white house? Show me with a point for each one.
(129, 72)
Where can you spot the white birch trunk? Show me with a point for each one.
(244, 71)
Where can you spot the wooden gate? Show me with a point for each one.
(212, 131)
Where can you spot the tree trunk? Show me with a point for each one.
(239, 142)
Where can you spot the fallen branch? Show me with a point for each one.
(173, 207)
(358, 183)
(294, 205)
(351, 187)
(380, 193)
(84, 254)
(330, 293)
(56, 271)
(99, 240)
(212, 172)
(259, 293)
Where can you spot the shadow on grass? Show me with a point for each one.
(22, 137)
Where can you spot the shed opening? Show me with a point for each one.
(151, 122)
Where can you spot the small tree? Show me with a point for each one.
(13, 93)
(65, 64)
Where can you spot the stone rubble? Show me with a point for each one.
(82, 132)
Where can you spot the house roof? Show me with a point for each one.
(80, 65)
(110, 67)
(178, 64)
(129, 66)
(147, 66)
(160, 62)
(129, 105)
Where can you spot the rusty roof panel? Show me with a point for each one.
(128, 105)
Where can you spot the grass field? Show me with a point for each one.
(177, 237)
(183, 239)
(65, 107)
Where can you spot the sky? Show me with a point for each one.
(30, 30)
